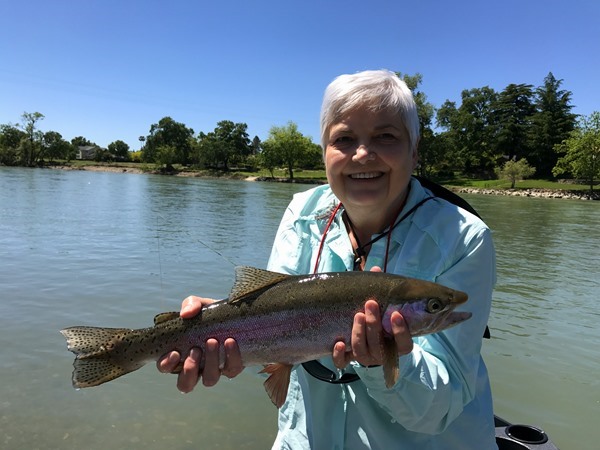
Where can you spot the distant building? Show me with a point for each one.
(87, 152)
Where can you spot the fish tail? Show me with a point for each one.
(98, 356)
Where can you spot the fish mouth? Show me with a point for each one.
(365, 175)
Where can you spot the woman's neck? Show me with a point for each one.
(363, 224)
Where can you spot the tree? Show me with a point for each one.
(10, 138)
(256, 145)
(80, 141)
(513, 110)
(55, 147)
(120, 150)
(551, 124)
(168, 133)
(471, 130)
(581, 151)
(426, 111)
(227, 144)
(166, 155)
(287, 146)
(515, 171)
(30, 149)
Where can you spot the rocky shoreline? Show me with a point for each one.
(535, 193)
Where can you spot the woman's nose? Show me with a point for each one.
(363, 154)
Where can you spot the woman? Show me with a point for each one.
(374, 216)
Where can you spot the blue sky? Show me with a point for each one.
(108, 70)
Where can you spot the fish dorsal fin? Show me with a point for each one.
(249, 280)
(165, 317)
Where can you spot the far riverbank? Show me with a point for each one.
(568, 194)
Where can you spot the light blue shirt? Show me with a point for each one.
(442, 399)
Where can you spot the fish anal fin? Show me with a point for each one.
(250, 280)
(391, 372)
(165, 317)
(277, 383)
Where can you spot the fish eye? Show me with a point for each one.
(434, 305)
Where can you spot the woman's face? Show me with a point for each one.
(369, 162)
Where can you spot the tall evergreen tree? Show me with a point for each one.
(514, 110)
(551, 124)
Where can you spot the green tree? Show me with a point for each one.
(30, 149)
(55, 147)
(514, 109)
(286, 146)
(166, 155)
(515, 171)
(256, 145)
(168, 133)
(80, 141)
(120, 150)
(227, 144)
(581, 151)
(426, 112)
(471, 130)
(10, 138)
(551, 124)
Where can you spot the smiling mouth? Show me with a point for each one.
(365, 175)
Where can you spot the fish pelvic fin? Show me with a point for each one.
(249, 281)
(278, 382)
(391, 371)
(97, 360)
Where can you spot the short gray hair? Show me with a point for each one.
(374, 89)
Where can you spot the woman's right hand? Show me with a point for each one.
(190, 373)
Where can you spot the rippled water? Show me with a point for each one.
(113, 250)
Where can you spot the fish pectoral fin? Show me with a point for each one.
(391, 371)
(249, 280)
(165, 317)
(277, 383)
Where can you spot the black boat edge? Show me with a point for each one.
(521, 437)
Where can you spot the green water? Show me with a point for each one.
(113, 250)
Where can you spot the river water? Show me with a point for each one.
(88, 248)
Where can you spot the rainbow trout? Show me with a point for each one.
(277, 320)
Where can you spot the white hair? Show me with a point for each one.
(376, 90)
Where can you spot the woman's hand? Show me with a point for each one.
(366, 345)
(190, 371)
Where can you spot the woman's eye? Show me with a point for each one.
(343, 140)
(386, 137)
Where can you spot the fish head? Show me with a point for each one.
(426, 307)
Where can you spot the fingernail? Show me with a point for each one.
(195, 354)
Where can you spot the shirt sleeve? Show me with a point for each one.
(286, 251)
(439, 377)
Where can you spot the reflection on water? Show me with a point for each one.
(113, 250)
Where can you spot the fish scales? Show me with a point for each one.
(277, 320)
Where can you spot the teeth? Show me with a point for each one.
(365, 175)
